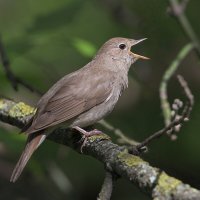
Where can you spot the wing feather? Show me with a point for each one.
(76, 94)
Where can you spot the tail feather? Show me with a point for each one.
(32, 144)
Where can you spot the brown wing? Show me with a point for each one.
(78, 92)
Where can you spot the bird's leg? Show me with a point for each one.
(86, 134)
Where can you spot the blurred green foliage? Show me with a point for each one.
(47, 39)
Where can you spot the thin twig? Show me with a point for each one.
(6, 65)
(184, 4)
(107, 187)
(178, 11)
(14, 80)
(187, 91)
(123, 139)
(167, 75)
(177, 121)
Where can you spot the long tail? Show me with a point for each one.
(33, 142)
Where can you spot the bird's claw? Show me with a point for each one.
(86, 135)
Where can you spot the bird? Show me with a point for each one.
(81, 98)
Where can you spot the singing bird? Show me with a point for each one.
(81, 98)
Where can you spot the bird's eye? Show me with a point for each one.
(122, 46)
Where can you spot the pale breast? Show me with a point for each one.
(98, 112)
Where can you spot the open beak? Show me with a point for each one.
(136, 56)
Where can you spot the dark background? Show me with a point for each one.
(47, 39)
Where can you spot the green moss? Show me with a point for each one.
(2, 104)
(21, 109)
(166, 183)
(99, 137)
(128, 159)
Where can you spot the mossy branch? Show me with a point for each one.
(153, 181)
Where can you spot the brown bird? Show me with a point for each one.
(81, 98)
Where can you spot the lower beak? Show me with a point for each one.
(136, 56)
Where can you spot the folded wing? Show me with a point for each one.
(71, 96)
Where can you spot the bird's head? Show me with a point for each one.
(119, 49)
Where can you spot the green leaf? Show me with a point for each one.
(84, 47)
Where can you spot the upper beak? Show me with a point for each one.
(136, 56)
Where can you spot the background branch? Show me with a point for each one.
(178, 11)
(165, 106)
(123, 139)
(14, 80)
(178, 119)
(107, 187)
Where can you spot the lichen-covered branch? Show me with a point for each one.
(116, 159)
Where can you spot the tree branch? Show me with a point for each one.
(177, 119)
(178, 10)
(165, 79)
(107, 187)
(116, 159)
(122, 138)
(14, 80)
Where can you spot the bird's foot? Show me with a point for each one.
(86, 135)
